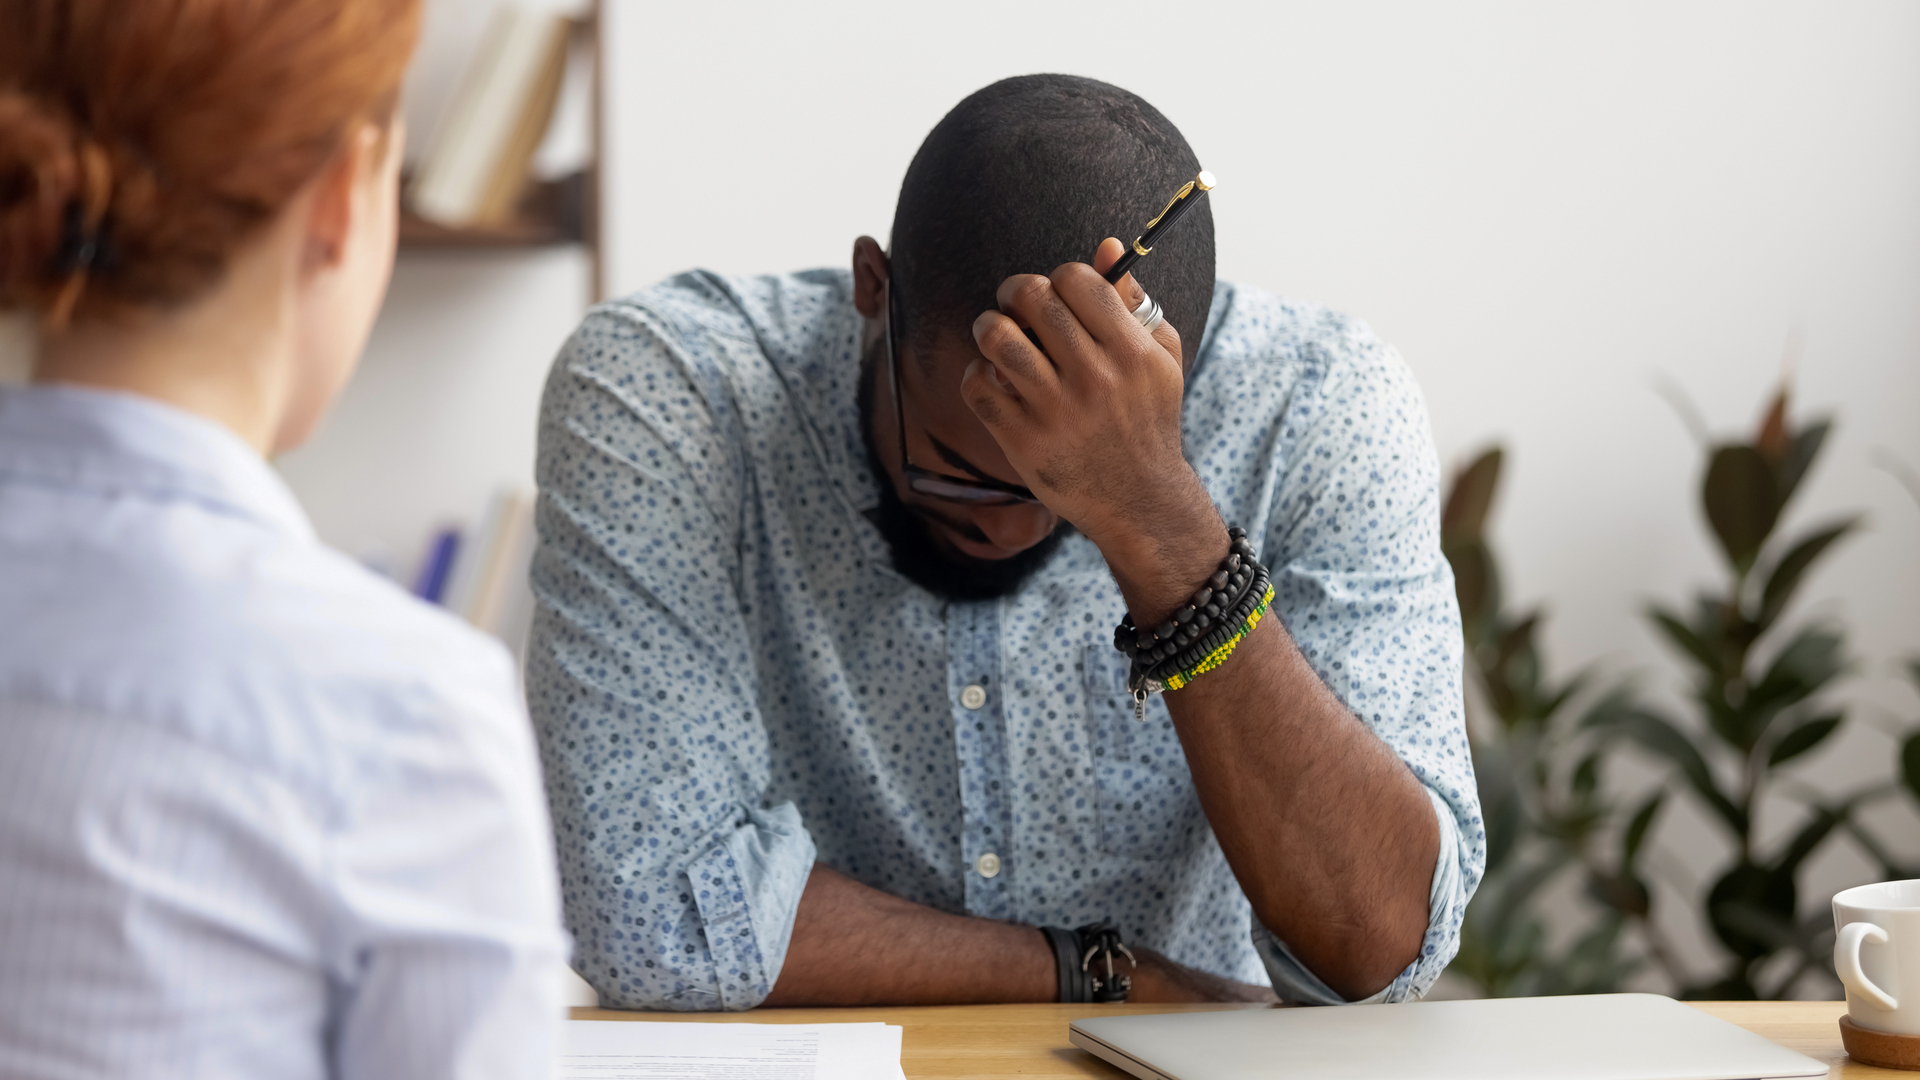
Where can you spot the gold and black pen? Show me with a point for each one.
(1182, 201)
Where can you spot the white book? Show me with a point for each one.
(469, 563)
(497, 601)
(464, 158)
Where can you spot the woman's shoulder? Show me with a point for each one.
(275, 651)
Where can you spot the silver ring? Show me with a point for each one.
(1148, 314)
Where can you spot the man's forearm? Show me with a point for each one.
(854, 945)
(1331, 837)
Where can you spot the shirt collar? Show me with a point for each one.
(119, 443)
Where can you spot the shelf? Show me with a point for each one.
(552, 213)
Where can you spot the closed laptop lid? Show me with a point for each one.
(1588, 1037)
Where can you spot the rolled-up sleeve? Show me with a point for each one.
(1362, 587)
(680, 883)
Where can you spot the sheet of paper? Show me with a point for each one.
(647, 1050)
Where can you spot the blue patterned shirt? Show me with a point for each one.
(730, 681)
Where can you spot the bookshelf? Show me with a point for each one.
(550, 212)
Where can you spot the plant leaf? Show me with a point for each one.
(1803, 738)
(1810, 660)
(1465, 516)
(1760, 930)
(1793, 565)
(1739, 902)
(1806, 447)
(1610, 706)
(1516, 639)
(1807, 662)
(1742, 501)
(1682, 635)
(1772, 439)
(1657, 735)
(1586, 775)
(1552, 702)
(1636, 834)
(1475, 582)
(1810, 836)
(1624, 893)
(1910, 763)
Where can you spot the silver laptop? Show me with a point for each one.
(1593, 1037)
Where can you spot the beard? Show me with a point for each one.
(917, 555)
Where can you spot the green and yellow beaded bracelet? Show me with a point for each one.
(1219, 655)
(1200, 635)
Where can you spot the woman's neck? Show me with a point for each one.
(228, 356)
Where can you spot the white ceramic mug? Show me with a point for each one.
(1876, 953)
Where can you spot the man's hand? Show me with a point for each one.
(1092, 423)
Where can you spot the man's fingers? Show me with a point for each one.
(1025, 370)
(1104, 256)
(1033, 300)
(1105, 312)
(1169, 339)
(988, 396)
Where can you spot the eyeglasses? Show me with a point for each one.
(984, 492)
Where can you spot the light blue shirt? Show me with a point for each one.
(261, 813)
(730, 680)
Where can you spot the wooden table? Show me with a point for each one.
(956, 1041)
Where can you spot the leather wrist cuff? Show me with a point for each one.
(1073, 985)
(1074, 951)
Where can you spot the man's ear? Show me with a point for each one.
(870, 266)
(331, 210)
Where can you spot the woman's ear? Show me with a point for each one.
(870, 267)
(332, 209)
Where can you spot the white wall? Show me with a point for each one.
(442, 409)
(1546, 207)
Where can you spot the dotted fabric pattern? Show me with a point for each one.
(730, 681)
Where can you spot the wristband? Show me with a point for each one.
(1083, 963)
(1200, 635)
(1070, 979)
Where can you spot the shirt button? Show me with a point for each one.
(989, 864)
(973, 697)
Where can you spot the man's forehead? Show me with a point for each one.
(940, 352)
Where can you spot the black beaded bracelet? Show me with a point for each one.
(1211, 603)
(1201, 634)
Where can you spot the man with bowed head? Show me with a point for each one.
(828, 669)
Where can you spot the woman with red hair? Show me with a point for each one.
(261, 813)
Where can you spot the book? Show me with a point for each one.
(509, 552)
(478, 162)
(430, 584)
(505, 607)
(464, 580)
(487, 583)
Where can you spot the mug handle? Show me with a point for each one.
(1846, 963)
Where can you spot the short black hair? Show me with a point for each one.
(1032, 172)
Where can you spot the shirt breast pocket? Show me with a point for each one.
(1148, 808)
